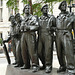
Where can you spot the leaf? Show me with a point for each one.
(0, 40)
(25, 1)
(36, 7)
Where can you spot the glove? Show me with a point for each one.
(22, 28)
(27, 28)
(4, 41)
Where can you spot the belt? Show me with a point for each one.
(62, 29)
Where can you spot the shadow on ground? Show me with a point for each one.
(17, 71)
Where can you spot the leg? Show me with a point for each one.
(48, 53)
(18, 55)
(60, 53)
(32, 52)
(24, 52)
(13, 44)
(41, 53)
(69, 54)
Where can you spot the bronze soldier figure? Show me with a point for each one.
(24, 48)
(12, 36)
(64, 40)
(29, 26)
(45, 51)
(18, 42)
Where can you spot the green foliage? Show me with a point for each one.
(52, 1)
(25, 1)
(12, 4)
(48, 1)
(0, 40)
(36, 7)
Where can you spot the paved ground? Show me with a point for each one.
(17, 71)
(4, 64)
(5, 68)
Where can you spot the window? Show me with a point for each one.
(1, 10)
(10, 11)
(1, 15)
(0, 39)
(1, 3)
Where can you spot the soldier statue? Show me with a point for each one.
(45, 52)
(29, 27)
(18, 42)
(64, 40)
(12, 36)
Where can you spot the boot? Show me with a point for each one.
(25, 67)
(61, 69)
(35, 69)
(48, 69)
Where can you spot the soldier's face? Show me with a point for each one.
(45, 10)
(27, 10)
(18, 18)
(12, 19)
(63, 7)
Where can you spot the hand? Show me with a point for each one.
(53, 28)
(27, 28)
(4, 41)
(22, 28)
(48, 29)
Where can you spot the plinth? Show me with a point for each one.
(11, 70)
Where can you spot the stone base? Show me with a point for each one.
(11, 70)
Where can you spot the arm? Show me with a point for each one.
(51, 24)
(7, 40)
(54, 24)
(22, 26)
(33, 25)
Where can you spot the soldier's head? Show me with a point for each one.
(27, 9)
(44, 9)
(63, 6)
(11, 18)
(17, 17)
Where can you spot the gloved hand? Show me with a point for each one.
(4, 41)
(22, 28)
(27, 28)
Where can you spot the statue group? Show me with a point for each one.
(32, 39)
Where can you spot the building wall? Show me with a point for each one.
(4, 23)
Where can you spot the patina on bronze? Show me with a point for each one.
(45, 51)
(12, 35)
(64, 40)
(18, 42)
(28, 40)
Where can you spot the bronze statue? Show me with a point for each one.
(29, 26)
(64, 40)
(45, 52)
(18, 42)
(12, 36)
